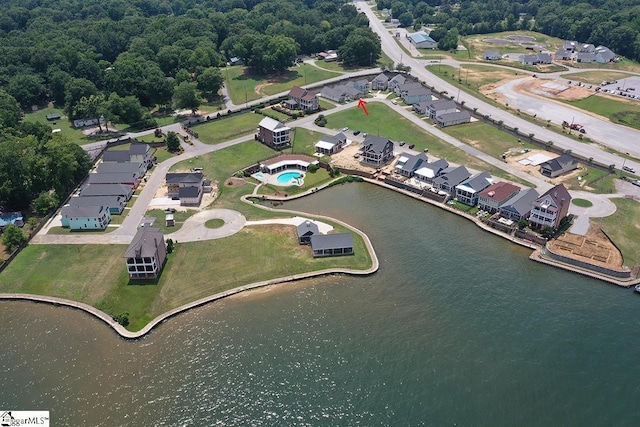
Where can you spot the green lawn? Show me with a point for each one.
(214, 223)
(623, 227)
(304, 141)
(66, 230)
(486, 138)
(64, 124)
(595, 77)
(223, 129)
(583, 203)
(97, 274)
(326, 105)
(622, 112)
(245, 86)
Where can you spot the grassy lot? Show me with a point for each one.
(220, 130)
(281, 117)
(162, 154)
(149, 138)
(623, 227)
(64, 124)
(596, 180)
(326, 105)
(623, 65)
(486, 138)
(65, 230)
(304, 141)
(245, 86)
(618, 111)
(179, 217)
(97, 275)
(595, 77)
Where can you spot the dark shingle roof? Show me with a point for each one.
(144, 243)
(307, 227)
(186, 177)
(331, 241)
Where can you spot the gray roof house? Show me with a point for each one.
(421, 40)
(146, 254)
(449, 178)
(402, 89)
(428, 171)
(468, 191)
(331, 244)
(440, 107)
(115, 204)
(187, 187)
(341, 93)
(541, 58)
(519, 206)
(407, 164)
(362, 85)
(116, 156)
(399, 79)
(380, 82)
(377, 150)
(329, 145)
(107, 190)
(558, 166)
(570, 45)
(129, 167)
(563, 55)
(604, 55)
(126, 178)
(451, 119)
(416, 95)
(305, 231)
(492, 55)
(587, 47)
(421, 107)
(585, 57)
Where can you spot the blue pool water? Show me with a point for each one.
(259, 176)
(288, 178)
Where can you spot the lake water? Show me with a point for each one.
(458, 328)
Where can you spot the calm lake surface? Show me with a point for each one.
(458, 328)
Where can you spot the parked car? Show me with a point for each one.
(411, 146)
(344, 129)
(364, 135)
(394, 102)
(628, 169)
(356, 132)
(402, 143)
(636, 182)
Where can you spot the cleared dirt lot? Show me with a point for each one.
(595, 248)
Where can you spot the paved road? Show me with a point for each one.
(630, 137)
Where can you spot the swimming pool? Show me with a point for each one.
(258, 176)
(289, 178)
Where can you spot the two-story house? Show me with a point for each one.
(274, 134)
(408, 164)
(550, 208)
(519, 206)
(492, 198)
(376, 150)
(449, 178)
(85, 217)
(146, 254)
(429, 171)
(468, 191)
(302, 99)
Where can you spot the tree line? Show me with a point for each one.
(121, 58)
(612, 23)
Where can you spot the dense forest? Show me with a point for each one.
(613, 23)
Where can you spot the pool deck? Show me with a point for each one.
(267, 178)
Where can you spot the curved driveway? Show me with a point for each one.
(194, 229)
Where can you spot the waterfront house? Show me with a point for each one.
(380, 82)
(408, 164)
(85, 217)
(305, 231)
(324, 245)
(186, 187)
(452, 119)
(125, 191)
(376, 150)
(302, 99)
(115, 204)
(492, 55)
(467, 192)
(449, 178)
(492, 198)
(421, 40)
(519, 206)
(146, 254)
(428, 171)
(560, 165)
(550, 208)
(287, 161)
(329, 145)
(274, 134)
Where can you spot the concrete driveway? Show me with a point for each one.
(194, 229)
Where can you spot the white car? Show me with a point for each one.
(344, 129)
(394, 102)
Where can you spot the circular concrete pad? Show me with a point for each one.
(194, 230)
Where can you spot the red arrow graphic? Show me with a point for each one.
(362, 104)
